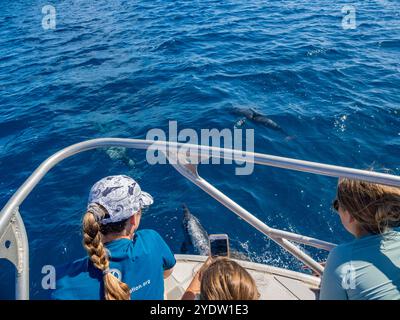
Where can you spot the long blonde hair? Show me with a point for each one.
(92, 241)
(224, 279)
(376, 207)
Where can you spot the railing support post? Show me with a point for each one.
(15, 248)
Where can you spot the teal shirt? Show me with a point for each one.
(367, 268)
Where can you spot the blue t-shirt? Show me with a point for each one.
(140, 263)
(367, 268)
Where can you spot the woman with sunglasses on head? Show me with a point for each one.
(367, 268)
(122, 263)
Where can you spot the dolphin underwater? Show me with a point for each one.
(255, 116)
(196, 237)
(195, 234)
(120, 153)
(114, 153)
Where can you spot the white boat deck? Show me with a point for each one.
(273, 283)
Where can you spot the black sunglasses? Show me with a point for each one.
(335, 204)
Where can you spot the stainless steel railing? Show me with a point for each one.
(14, 242)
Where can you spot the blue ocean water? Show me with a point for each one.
(119, 68)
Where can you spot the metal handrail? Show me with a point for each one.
(279, 236)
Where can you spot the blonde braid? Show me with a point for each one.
(92, 241)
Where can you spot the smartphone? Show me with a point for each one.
(219, 245)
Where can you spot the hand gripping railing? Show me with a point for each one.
(14, 242)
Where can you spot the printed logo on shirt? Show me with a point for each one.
(140, 286)
(116, 273)
(348, 277)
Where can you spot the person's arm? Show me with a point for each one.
(194, 287)
(331, 282)
(168, 272)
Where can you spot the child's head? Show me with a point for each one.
(114, 208)
(225, 279)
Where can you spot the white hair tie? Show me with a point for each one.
(94, 209)
(106, 271)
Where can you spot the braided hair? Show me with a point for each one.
(114, 289)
